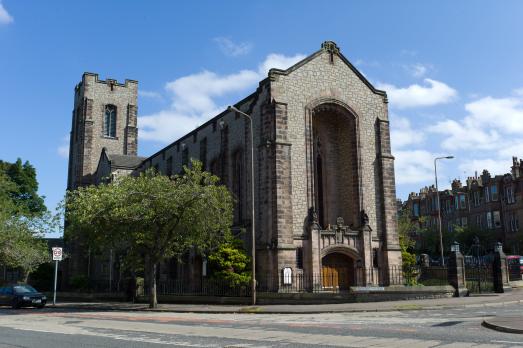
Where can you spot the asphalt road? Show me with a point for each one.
(422, 328)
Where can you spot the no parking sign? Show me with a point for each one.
(57, 254)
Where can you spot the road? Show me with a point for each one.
(417, 328)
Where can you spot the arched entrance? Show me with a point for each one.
(335, 164)
(337, 271)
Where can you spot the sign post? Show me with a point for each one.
(57, 256)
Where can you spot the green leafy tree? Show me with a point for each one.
(21, 230)
(154, 216)
(230, 263)
(24, 189)
(22, 247)
(407, 227)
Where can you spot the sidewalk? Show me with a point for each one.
(486, 300)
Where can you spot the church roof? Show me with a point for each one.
(124, 161)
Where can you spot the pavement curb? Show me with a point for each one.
(501, 328)
(260, 310)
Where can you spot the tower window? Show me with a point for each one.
(110, 121)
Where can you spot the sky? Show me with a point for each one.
(453, 72)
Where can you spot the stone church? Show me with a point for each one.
(325, 202)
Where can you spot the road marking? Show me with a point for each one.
(511, 342)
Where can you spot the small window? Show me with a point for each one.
(299, 257)
(462, 202)
(489, 219)
(497, 219)
(203, 153)
(185, 157)
(476, 198)
(509, 192)
(464, 221)
(487, 194)
(110, 121)
(494, 192)
(415, 209)
(169, 165)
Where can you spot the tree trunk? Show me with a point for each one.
(153, 301)
(26, 276)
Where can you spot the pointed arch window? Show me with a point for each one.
(110, 121)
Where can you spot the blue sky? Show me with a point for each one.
(453, 71)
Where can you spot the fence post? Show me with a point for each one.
(500, 270)
(456, 271)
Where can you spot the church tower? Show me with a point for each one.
(104, 116)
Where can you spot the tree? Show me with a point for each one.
(21, 247)
(153, 215)
(230, 263)
(406, 227)
(24, 189)
(21, 231)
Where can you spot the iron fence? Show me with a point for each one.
(436, 276)
(201, 287)
(479, 278)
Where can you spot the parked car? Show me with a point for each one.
(21, 295)
(515, 262)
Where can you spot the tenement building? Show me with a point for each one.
(485, 202)
(324, 202)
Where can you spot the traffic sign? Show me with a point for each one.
(57, 254)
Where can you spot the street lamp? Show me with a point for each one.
(253, 235)
(439, 206)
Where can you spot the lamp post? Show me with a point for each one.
(253, 231)
(439, 206)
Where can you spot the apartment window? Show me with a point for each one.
(464, 221)
(489, 219)
(509, 193)
(494, 192)
(487, 194)
(476, 198)
(449, 226)
(456, 202)
(415, 209)
(497, 219)
(462, 202)
(110, 121)
(513, 222)
(478, 221)
(458, 222)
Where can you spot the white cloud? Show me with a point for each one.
(194, 98)
(230, 48)
(5, 17)
(418, 70)
(413, 167)
(491, 124)
(518, 92)
(402, 134)
(63, 149)
(149, 94)
(278, 61)
(464, 136)
(433, 93)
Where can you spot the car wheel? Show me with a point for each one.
(40, 306)
(15, 305)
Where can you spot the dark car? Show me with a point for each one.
(21, 295)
